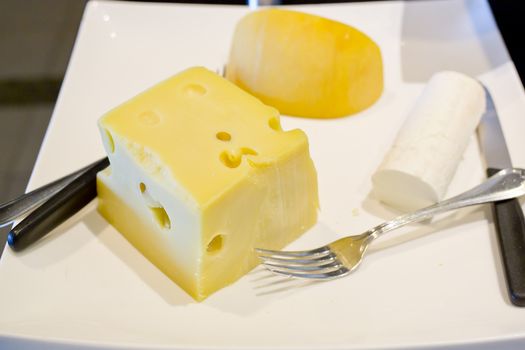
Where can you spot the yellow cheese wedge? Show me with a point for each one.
(202, 173)
(305, 65)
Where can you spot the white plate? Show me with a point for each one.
(85, 285)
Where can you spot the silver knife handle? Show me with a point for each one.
(510, 228)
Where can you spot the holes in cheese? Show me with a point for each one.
(157, 210)
(161, 217)
(234, 159)
(274, 124)
(418, 168)
(215, 244)
(148, 199)
(223, 136)
(195, 90)
(248, 151)
(149, 118)
(109, 141)
(229, 159)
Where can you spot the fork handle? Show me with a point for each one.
(510, 229)
(505, 184)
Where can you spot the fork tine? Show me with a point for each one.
(293, 254)
(331, 265)
(315, 261)
(342, 271)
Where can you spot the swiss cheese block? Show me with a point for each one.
(305, 65)
(202, 173)
(418, 168)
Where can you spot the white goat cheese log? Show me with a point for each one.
(428, 148)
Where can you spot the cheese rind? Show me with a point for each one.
(418, 168)
(305, 65)
(201, 173)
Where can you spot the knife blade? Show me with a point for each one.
(507, 215)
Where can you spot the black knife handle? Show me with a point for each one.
(27, 202)
(510, 227)
(57, 208)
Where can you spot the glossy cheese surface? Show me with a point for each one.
(201, 173)
(305, 65)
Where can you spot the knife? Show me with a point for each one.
(57, 208)
(17, 208)
(507, 214)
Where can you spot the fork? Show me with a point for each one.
(339, 258)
